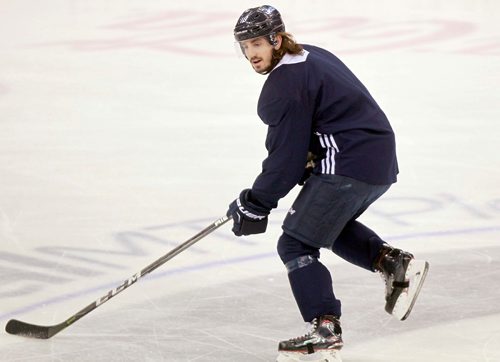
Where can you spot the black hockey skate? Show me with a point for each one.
(404, 277)
(322, 343)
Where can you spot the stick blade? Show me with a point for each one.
(24, 329)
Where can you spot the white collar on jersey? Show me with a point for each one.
(292, 59)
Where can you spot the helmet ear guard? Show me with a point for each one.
(272, 39)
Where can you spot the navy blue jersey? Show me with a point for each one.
(313, 102)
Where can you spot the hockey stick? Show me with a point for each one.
(24, 329)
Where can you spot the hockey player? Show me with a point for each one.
(327, 133)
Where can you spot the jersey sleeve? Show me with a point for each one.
(287, 142)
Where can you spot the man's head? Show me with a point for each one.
(258, 33)
(261, 53)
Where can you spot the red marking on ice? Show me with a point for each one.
(194, 32)
(386, 36)
(173, 19)
(3, 89)
(488, 46)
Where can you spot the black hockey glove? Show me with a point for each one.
(248, 217)
(309, 168)
(307, 173)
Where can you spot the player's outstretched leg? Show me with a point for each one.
(322, 343)
(404, 277)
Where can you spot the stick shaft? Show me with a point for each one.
(30, 330)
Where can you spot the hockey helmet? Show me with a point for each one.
(264, 21)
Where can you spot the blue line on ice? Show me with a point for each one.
(217, 263)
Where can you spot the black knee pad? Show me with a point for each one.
(290, 248)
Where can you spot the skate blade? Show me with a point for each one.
(320, 356)
(415, 273)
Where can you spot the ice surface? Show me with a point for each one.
(129, 126)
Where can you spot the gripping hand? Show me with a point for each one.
(309, 168)
(248, 217)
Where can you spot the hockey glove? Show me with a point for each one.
(307, 173)
(311, 157)
(248, 217)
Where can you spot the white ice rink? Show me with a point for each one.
(128, 126)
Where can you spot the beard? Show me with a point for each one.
(277, 56)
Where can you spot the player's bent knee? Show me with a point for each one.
(290, 249)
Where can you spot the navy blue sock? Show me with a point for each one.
(358, 245)
(310, 280)
(313, 291)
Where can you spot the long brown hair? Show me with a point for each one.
(288, 45)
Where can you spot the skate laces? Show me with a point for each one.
(314, 326)
(310, 327)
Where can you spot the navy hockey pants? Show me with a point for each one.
(324, 215)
